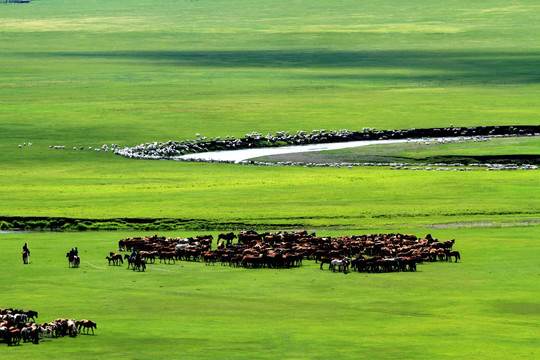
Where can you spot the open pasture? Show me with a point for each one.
(126, 72)
(493, 150)
(480, 307)
(85, 73)
(264, 197)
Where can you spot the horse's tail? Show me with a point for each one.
(458, 255)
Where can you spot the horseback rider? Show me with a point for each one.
(133, 255)
(25, 248)
(75, 251)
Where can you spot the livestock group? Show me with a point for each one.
(364, 253)
(20, 325)
(175, 149)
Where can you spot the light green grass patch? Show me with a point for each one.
(222, 312)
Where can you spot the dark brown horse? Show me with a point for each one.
(326, 260)
(139, 264)
(130, 260)
(227, 237)
(116, 259)
(451, 254)
(74, 260)
(167, 256)
(26, 257)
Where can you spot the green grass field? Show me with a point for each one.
(518, 150)
(482, 307)
(85, 73)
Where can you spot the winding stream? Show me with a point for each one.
(238, 156)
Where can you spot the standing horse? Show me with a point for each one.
(115, 258)
(342, 264)
(74, 260)
(130, 260)
(227, 237)
(26, 257)
(453, 253)
(139, 264)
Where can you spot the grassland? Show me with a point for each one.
(85, 73)
(495, 151)
(481, 307)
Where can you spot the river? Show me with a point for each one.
(238, 156)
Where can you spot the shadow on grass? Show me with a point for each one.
(487, 66)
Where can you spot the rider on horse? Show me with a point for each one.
(26, 253)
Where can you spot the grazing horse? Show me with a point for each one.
(26, 256)
(72, 328)
(86, 326)
(74, 260)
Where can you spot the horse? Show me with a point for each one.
(72, 328)
(227, 237)
(138, 264)
(148, 256)
(326, 260)
(167, 256)
(130, 260)
(86, 325)
(74, 260)
(26, 257)
(342, 264)
(115, 258)
(210, 257)
(454, 254)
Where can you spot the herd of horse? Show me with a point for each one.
(364, 253)
(20, 325)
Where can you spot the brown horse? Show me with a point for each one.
(167, 256)
(227, 237)
(148, 256)
(84, 326)
(115, 258)
(137, 264)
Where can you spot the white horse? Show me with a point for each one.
(72, 328)
(342, 264)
